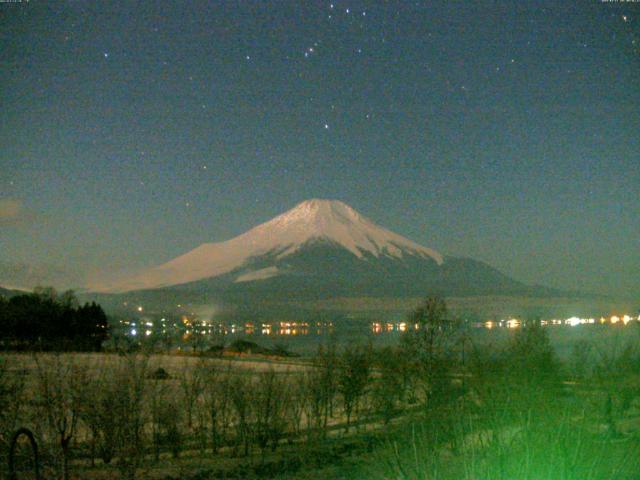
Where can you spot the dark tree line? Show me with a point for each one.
(45, 320)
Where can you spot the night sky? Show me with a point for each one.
(509, 132)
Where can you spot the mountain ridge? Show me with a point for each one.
(286, 233)
(320, 249)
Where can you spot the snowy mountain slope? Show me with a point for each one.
(328, 221)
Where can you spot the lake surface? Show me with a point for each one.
(603, 335)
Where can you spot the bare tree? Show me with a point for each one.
(128, 410)
(58, 384)
(326, 364)
(96, 413)
(429, 347)
(270, 405)
(296, 387)
(157, 396)
(192, 387)
(240, 396)
(353, 377)
(12, 388)
(389, 388)
(315, 402)
(217, 403)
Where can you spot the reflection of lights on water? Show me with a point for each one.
(573, 321)
(513, 323)
(190, 325)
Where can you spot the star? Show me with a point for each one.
(326, 126)
(624, 18)
(106, 55)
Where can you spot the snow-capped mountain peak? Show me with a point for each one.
(311, 220)
(337, 222)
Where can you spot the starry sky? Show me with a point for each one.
(509, 132)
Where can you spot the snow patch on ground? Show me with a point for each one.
(261, 274)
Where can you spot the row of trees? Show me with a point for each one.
(45, 320)
(125, 412)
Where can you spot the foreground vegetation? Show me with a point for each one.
(434, 407)
(46, 320)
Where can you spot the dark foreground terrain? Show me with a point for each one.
(436, 406)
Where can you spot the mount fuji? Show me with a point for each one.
(320, 249)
